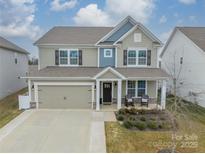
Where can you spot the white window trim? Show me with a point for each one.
(141, 88)
(137, 57)
(136, 87)
(132, 88)
(104, 51)
(68, 61)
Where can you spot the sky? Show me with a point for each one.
(24, 21)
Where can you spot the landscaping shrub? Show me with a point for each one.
(122, 111)
(133, 111)
(152, 125)
(127, 124)
(165, 125)
(153, 119)
(142, 118)
(140, 125)
(131, 118)
(119, 117)
(142, 111)
(162, 118)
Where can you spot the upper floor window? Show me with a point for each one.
(68, 56)
(181, 60)
(15, 58)
(137, 37)
(142, 57)
(107, 52)
(137, 57)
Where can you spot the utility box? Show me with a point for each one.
(24, 102)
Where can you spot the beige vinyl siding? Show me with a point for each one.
(108, 75)
(152, 89)
(123, 89)
(128, 42)
(47, 55)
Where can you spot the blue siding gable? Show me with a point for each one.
(107, 61)
(120, 32)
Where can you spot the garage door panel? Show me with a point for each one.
(65, 97)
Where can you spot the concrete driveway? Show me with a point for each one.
(51, 131)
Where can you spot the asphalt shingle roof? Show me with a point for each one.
(73, 35)
(196, 34)
(56, 71)
(4, 43)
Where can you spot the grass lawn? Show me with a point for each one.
(9, 107)
(190, 134)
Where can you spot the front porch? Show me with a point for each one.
(112, 88)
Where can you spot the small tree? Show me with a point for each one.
(174, 69)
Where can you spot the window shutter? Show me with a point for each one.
(148, 57)
(80, 57)
(57, 57)
(125, 57)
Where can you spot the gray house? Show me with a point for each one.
(90, 67)
(13, 64)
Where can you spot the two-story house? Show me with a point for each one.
(88, 67)
(183, 57)
(13, 65)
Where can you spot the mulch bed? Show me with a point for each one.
(135, 119)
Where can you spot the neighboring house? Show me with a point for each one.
(86, 67)
(185, 49)
(13, 64)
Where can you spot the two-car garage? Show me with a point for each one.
(65, 96)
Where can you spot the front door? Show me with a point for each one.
(107, 92)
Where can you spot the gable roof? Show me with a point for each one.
(135, 25)
(70, 35)
(107, 70)
(4, 43)
(195, 34)
(73, 35)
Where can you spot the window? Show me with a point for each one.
(137, 37)
(15, 58)
(69, 57)
(107, 52)
(137, 57)
(181, 60)
(131, 57)
(142, 57)
(63, 57)
(73, 57)
(141, 88)
(131, 88)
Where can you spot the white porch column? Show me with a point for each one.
(119, 94)
(97, 95)
(163, 94)
(29, 89)
(36, 95)
(93, 97)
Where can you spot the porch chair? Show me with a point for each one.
(145, 100)
(129, 101)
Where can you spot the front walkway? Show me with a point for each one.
(55, 131)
